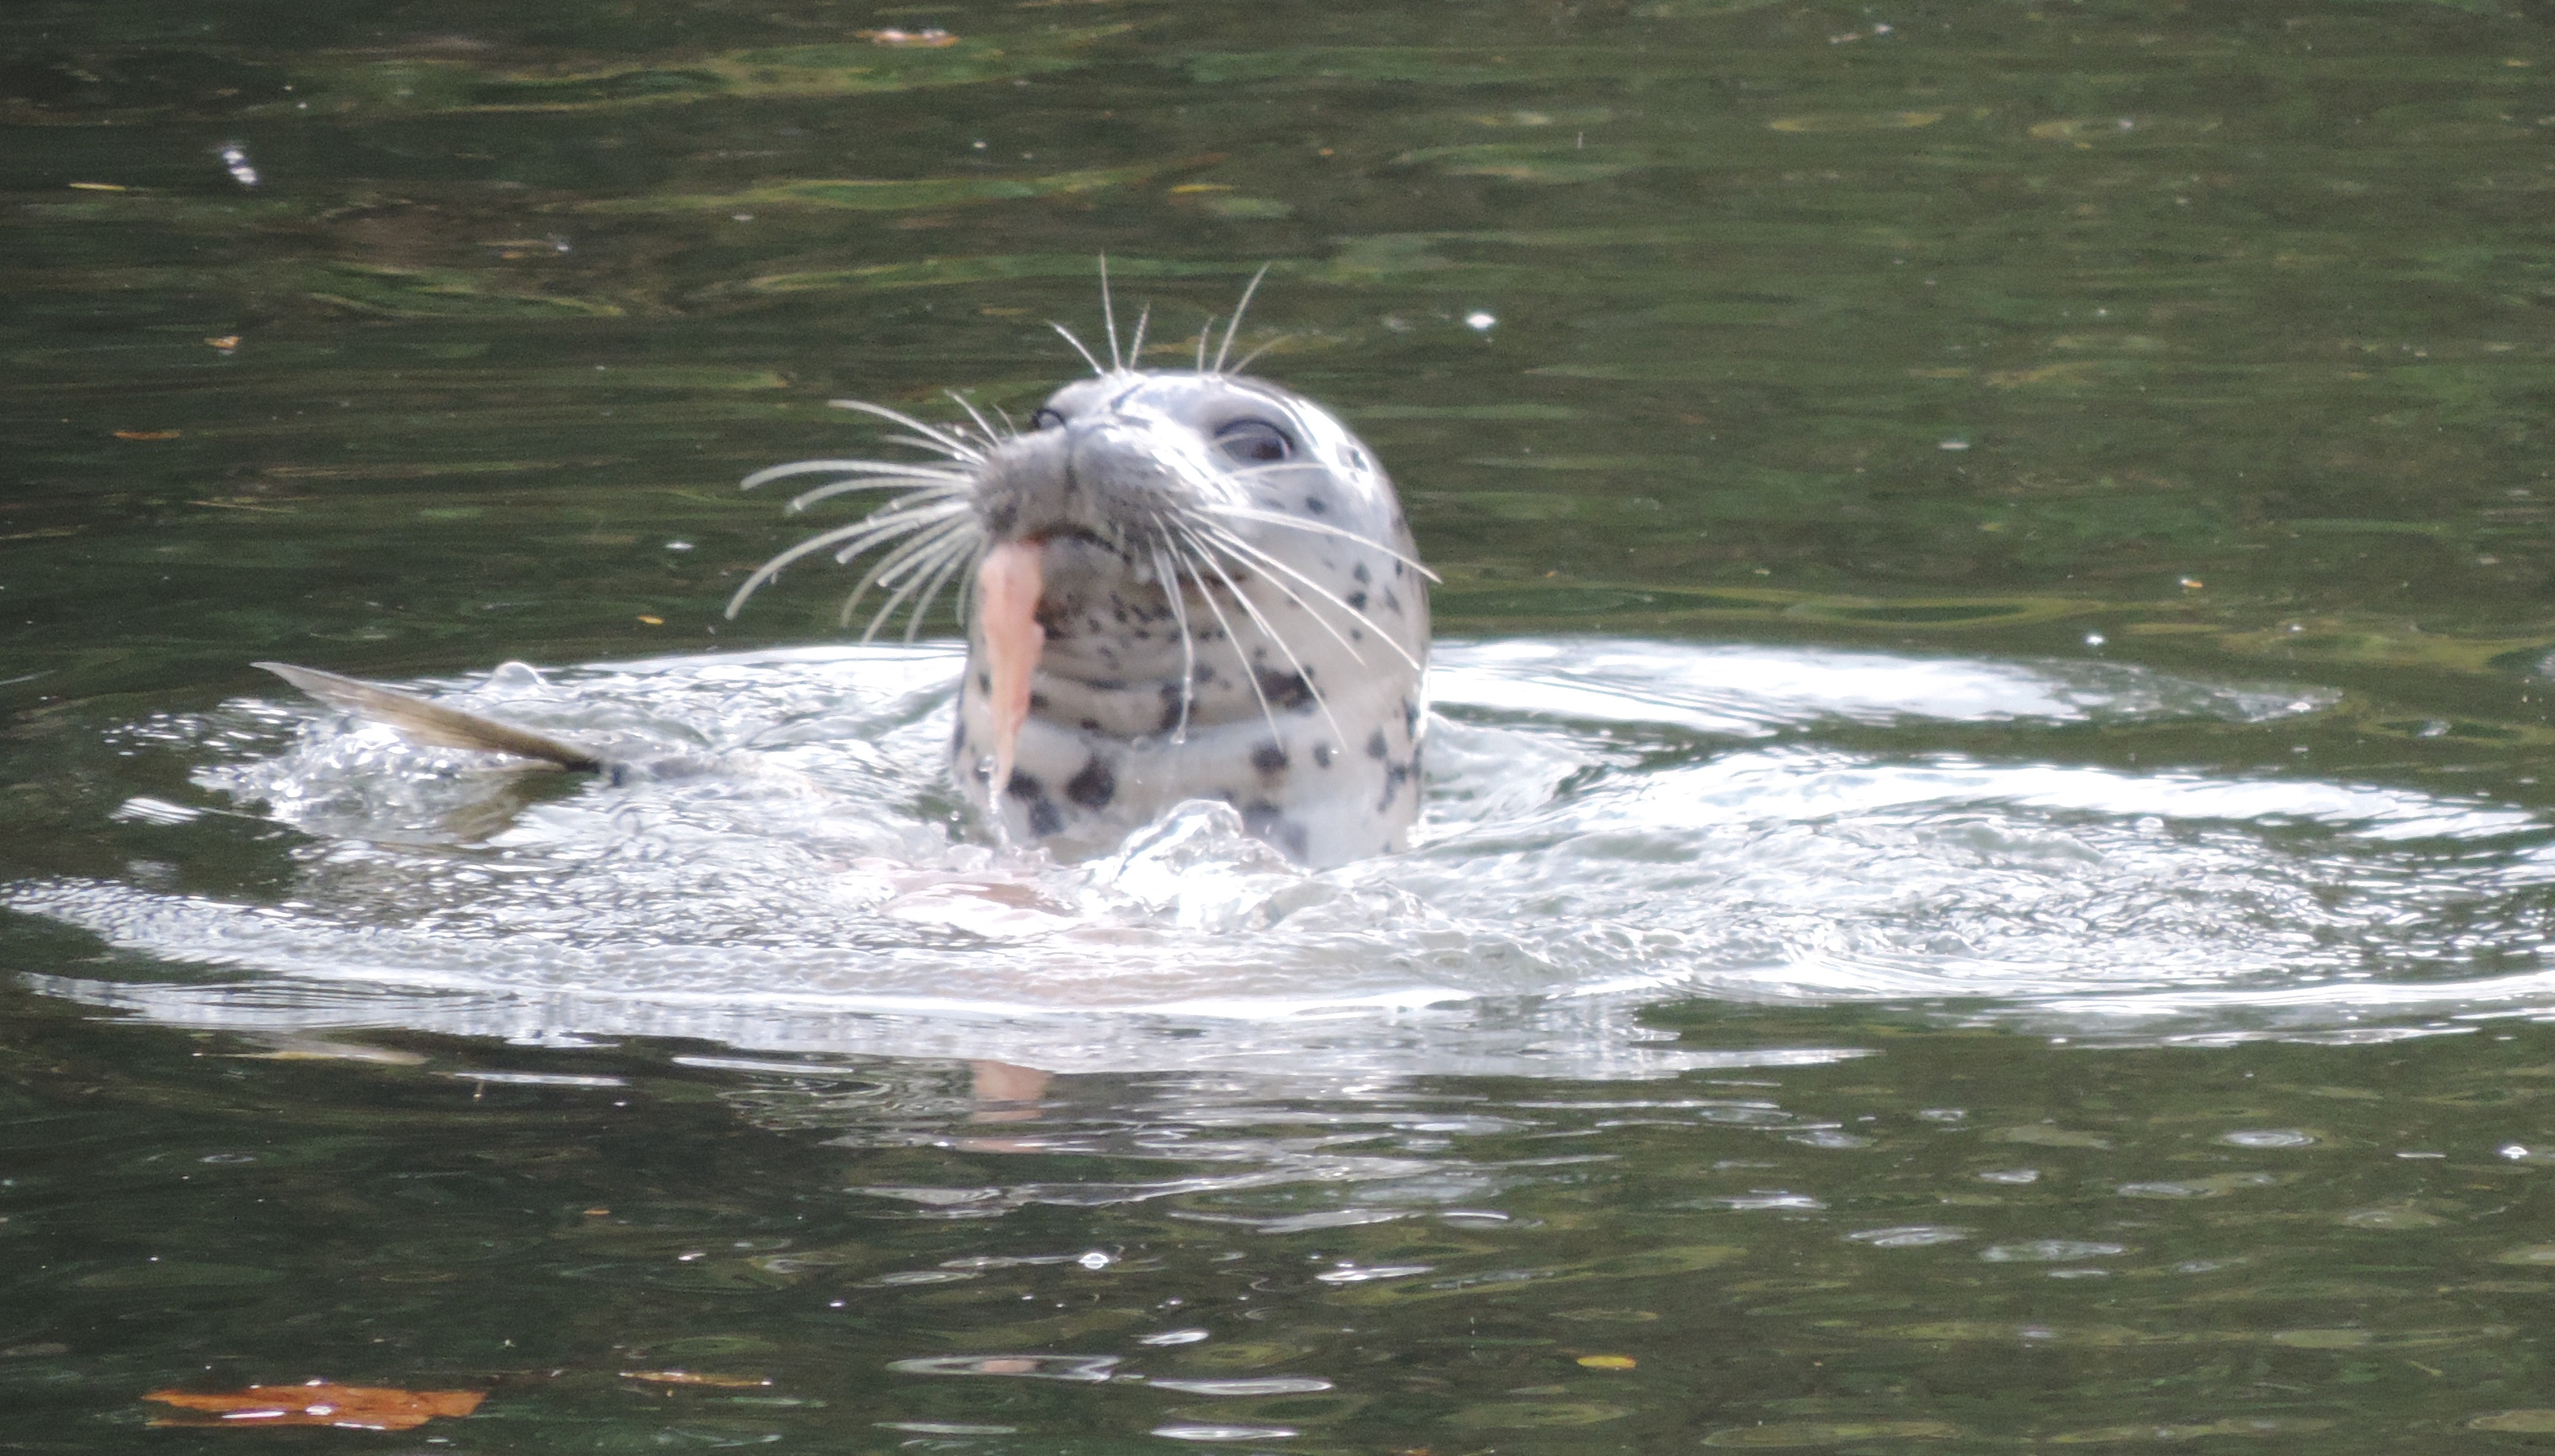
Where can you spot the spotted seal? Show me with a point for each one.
(1179, 584)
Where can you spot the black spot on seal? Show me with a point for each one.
(1094, 787)
(1268, 821)
(1045, 818)
(1268, 758)
(1288, 693)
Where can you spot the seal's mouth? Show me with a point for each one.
(1008, 583)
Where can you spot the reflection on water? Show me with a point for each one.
(1612, 824)
(405, 338)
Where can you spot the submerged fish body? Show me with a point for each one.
(432, 724)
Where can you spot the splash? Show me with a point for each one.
(1612, 824)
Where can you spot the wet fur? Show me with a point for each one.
(1226, 618)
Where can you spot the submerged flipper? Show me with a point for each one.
(432, 724)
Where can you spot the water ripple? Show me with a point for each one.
(1612, 824)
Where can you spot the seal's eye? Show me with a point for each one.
(1255, 442)
(1045, 419)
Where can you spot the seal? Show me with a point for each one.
(1178, 584)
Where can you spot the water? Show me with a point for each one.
(1612, 823)
(1986, 872)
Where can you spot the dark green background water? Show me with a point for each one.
(2209, 338)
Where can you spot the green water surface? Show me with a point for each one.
(2209, 338)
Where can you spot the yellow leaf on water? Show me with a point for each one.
(1608, 1362)
(355, 1407)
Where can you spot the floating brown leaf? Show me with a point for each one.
(358, 1407)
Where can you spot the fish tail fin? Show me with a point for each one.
(433, 724)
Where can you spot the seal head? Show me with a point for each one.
(1186, 585)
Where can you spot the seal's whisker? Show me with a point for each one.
(807, 548)
(922, 485)
(850, 467)
(983, 425)
(1269, 630)
(1245, 361)
(1235, 326)
(960, 554)
(1136, 348)
(933, 436)
(926, 559)
(1249, 554)
(896, 567)
(897, 520)
(1078, 349)
(920, 443)
(873, 531)
(1207, 331)
(1234, 543)
(1280, 517)
(1109, 316)
(1167, 572)
(1207, 595)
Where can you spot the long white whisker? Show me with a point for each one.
(874, 531)
(934, 446)
(1136, 348)
(1109, 315)
(848, 467)
(958, 556)
(1078, 349)
(807, 548)
(889, 569)
(1233, 541)
(1280, 517)
(940, 438)
(923, 485)
(1245, 361)
(902, 513)
(982, 423)
(1207, 594)
(1239, 309)
(1269, 631)
(1243, 550)
(922, 554)
(1204, 333)
(1168, 573)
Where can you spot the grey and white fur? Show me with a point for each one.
(1232, 604)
